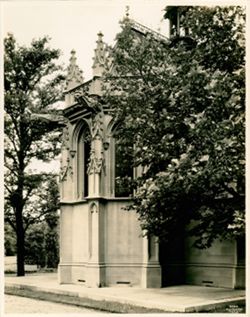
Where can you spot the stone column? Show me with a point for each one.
(95, 267)
(96, 270)
(151, 270)
(64, 267)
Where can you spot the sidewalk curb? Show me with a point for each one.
(109, 303)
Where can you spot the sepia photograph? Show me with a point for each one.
(124, 157)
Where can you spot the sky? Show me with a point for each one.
(75, 24)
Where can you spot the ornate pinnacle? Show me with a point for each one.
(101, 56)
(74, 77)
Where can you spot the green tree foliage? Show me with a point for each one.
(183, 109)
(41, 243)
(9, 241)
(32, 82)
(51, 219)
(52, 247)
(34, 245)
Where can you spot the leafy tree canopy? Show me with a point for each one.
(183, 109)
(32, 83)
(42, 242)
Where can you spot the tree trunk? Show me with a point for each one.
(20, 241)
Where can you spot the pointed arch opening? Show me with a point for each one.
(123, 166)
(83, 155)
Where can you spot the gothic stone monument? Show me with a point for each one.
(100, 243)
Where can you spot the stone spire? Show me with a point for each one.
(74, 77)
(101, 56)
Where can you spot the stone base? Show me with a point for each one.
(64, 274)
(94, 275)
(210, 275)
(123, 275)
(151, 276)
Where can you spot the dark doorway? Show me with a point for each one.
(172, 260)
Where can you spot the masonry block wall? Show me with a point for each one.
(216, 266)
(108, 251)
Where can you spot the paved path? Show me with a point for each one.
(23, 305)
(182, 298)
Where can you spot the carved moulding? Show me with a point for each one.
(65, 135)
(97, 126)
(67, 167)
(65, 170)
(96, 164)
(97, 158)
(93, 208)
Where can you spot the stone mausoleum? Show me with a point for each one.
(100, 243)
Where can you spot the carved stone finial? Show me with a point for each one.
(126, 18)
(74, 77)
(101, 56)
(127, 12)
(97, 156)
(100, 36)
